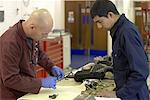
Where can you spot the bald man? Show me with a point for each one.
(19, 55)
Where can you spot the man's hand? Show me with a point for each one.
(57, 72)
(49, 82)
(108, 94)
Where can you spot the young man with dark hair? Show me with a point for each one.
(130, 62)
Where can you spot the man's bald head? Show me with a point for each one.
(41, 18)
(39, 24)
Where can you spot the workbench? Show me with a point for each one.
(64, 89)
(68, 89)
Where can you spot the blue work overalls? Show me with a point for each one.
(130, 62)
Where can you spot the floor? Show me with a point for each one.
(78, 61)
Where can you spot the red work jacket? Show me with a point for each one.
(17, 74)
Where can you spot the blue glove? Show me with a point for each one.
(57, 72)
(49, 82)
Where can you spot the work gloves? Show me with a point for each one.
(50, 81)
(57, 72)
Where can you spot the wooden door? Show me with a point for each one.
(85, 34)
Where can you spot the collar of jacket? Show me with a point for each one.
(22, 34)
(20, 30)
(117, 25)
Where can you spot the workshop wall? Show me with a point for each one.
(17, 9)
(8, 15)
(21, 9)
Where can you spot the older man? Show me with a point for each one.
(20, 53)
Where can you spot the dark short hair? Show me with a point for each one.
(102, 7)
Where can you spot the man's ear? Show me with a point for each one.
(110, 14)
(32, 26)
